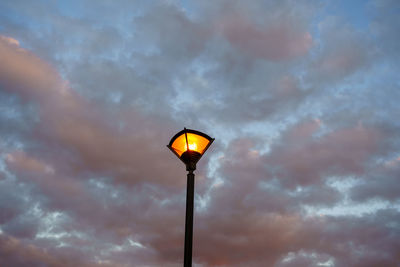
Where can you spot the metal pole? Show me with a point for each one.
(189, 220)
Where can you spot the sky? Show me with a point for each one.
(302, 98)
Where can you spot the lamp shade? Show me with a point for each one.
(189, 145)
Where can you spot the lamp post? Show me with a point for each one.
(189, 145)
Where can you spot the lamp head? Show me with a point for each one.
(189, 146)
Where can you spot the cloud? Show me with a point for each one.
(343, 52)
(26, 74)
(70, 120)
(16, 253)
(300, 98)
(276, 42)
(302, 159)
(381, 183)
(384, 25)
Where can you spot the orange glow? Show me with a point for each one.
(196, 143)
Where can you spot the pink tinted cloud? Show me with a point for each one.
(121, 145)
(79, 140)
(135, 213)
(277, 41)
(304, 159)
(245, 224)
(24, 73)
(15, 252)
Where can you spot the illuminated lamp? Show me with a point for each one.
(189, 146)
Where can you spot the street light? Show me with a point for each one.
(189, 145)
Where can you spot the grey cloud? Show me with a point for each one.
(11, 205)
(258, 238)
(170, 47)
(303, 258)
(68, 118)
(90, 98)
(14, 252)
(384, 25)
(381, 182)
(342, 52)
(277, 42)
(304, 160)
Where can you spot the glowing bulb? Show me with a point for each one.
(193, 146)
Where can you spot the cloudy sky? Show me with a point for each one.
(302, 98)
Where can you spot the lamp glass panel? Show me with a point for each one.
(196, 143)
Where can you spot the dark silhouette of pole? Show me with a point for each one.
(189, 220)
